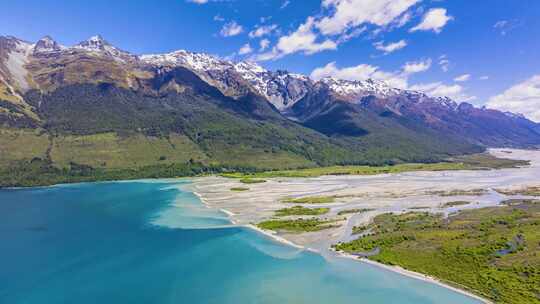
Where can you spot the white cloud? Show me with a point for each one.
(219, 18)
(264, 44)
(444, 63)
(347, 14)
(245, 49)
(485, 77)
(198, 1)
(522, 98)
(390, 47)
(439, 89)
(342, 20)
(231, 29)
(413, 67)
(262, 30)
(285, 4)
(500, 24)
(506, 26)
(398, 79)
(351, 34)
(302, 40)
(462, 78)
(434, 20)
(404, 19)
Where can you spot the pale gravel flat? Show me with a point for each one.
(384, 193)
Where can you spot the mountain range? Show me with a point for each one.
(97, 106)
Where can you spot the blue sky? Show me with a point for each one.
(484, 52)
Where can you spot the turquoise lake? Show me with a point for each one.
(153, 242)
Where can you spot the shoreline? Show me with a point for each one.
(413, 274)
(395, 269)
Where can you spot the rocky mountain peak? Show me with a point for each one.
(354, 90)
(46, 45)
(97, 44)
(94, 43)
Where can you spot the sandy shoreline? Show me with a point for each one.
(395, 269)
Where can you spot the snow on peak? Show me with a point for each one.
(96, 44)
(360, 88)
(47, 45)
(199, 62)
(93, 43)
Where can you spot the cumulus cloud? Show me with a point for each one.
(521, 98)
(339, 22)
(439, 89)
(198, 1)
(303, 40)
(390, 47)
(351, 13)
(485, 77)
(264, 44)
(413, 67)
(398, 79)
(434, 20)
(462, 78)
(245, 49)
(285, 4)
(262, 31)
(230, 29)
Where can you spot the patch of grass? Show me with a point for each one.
(299, 210)
(359, 229)
(488, 161)
(468, 162)
(113, 151)
(349, 211)
(458, 192)
(252, 181)
(297, 225)
(519, 201)
(21, 144)
(529, 191)
(455, 203)
(493, 252)
(239, 189)
(311, 200)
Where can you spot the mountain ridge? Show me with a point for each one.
(250, 71)
(236, 115)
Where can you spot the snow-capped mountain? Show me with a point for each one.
(281, 88)
(329, 105)
(47, 45)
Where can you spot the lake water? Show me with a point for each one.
(153, 242)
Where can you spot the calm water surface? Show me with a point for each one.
(152, 242)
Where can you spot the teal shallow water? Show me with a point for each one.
(151, 242)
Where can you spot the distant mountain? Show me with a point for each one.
(233, 114)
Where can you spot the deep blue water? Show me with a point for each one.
(151, 242)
